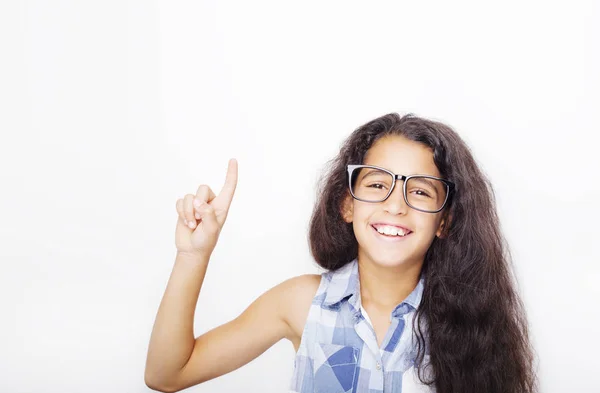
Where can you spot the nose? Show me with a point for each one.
(395, 204)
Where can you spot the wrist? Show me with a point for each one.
(193, 256)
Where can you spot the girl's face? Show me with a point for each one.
(404, 157)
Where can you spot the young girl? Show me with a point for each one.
(418, 293)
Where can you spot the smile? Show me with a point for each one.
(390, 233)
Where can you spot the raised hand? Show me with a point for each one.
(201, 216)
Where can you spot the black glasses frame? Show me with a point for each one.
(450, 186)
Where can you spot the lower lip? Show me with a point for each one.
(392, 239)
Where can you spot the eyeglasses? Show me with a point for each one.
(425, 193)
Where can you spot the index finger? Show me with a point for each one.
(230, 182)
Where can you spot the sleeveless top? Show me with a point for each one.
(338, 350)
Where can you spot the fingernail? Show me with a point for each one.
(197, 216)
(197, 202)
(191, 224)
(185, 222)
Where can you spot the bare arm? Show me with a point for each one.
(265, 322)
(172, 339)
(176, 360)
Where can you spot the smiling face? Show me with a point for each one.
(401, 156)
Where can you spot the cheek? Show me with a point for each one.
(429, 227)
(360, 220)
(362, 210)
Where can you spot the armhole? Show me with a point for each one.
(314, 308)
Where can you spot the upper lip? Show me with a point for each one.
(376, 224)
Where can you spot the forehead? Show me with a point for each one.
(402, 156)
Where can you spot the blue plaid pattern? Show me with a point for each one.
(339, 352)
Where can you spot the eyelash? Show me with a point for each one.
(424, 192)
(418, 190)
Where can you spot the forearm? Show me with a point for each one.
(172, 339)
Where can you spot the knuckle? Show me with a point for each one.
(208, 209)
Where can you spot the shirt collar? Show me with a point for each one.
(344, 285)
(414, 298)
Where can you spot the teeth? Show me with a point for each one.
(391, 230)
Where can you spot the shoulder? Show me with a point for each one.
(295, 297)
(305, 284)
(298, 292)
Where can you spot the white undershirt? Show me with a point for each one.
(364, 313)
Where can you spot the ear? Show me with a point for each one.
(347, 208)
(442, 230)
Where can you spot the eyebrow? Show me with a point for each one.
(389, 170)
(371, 171)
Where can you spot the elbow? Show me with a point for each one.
(155, 384)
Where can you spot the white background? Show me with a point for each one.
(111, 110)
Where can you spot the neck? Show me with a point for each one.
(386, 287)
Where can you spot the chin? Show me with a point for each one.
(389, 260)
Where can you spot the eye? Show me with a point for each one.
(421, 193)
(379, 186)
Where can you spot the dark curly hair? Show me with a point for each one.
(476, 328)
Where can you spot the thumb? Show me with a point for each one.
(208, 218)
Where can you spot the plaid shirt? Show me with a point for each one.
(339, 352)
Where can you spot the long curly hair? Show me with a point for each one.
(471, 320)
